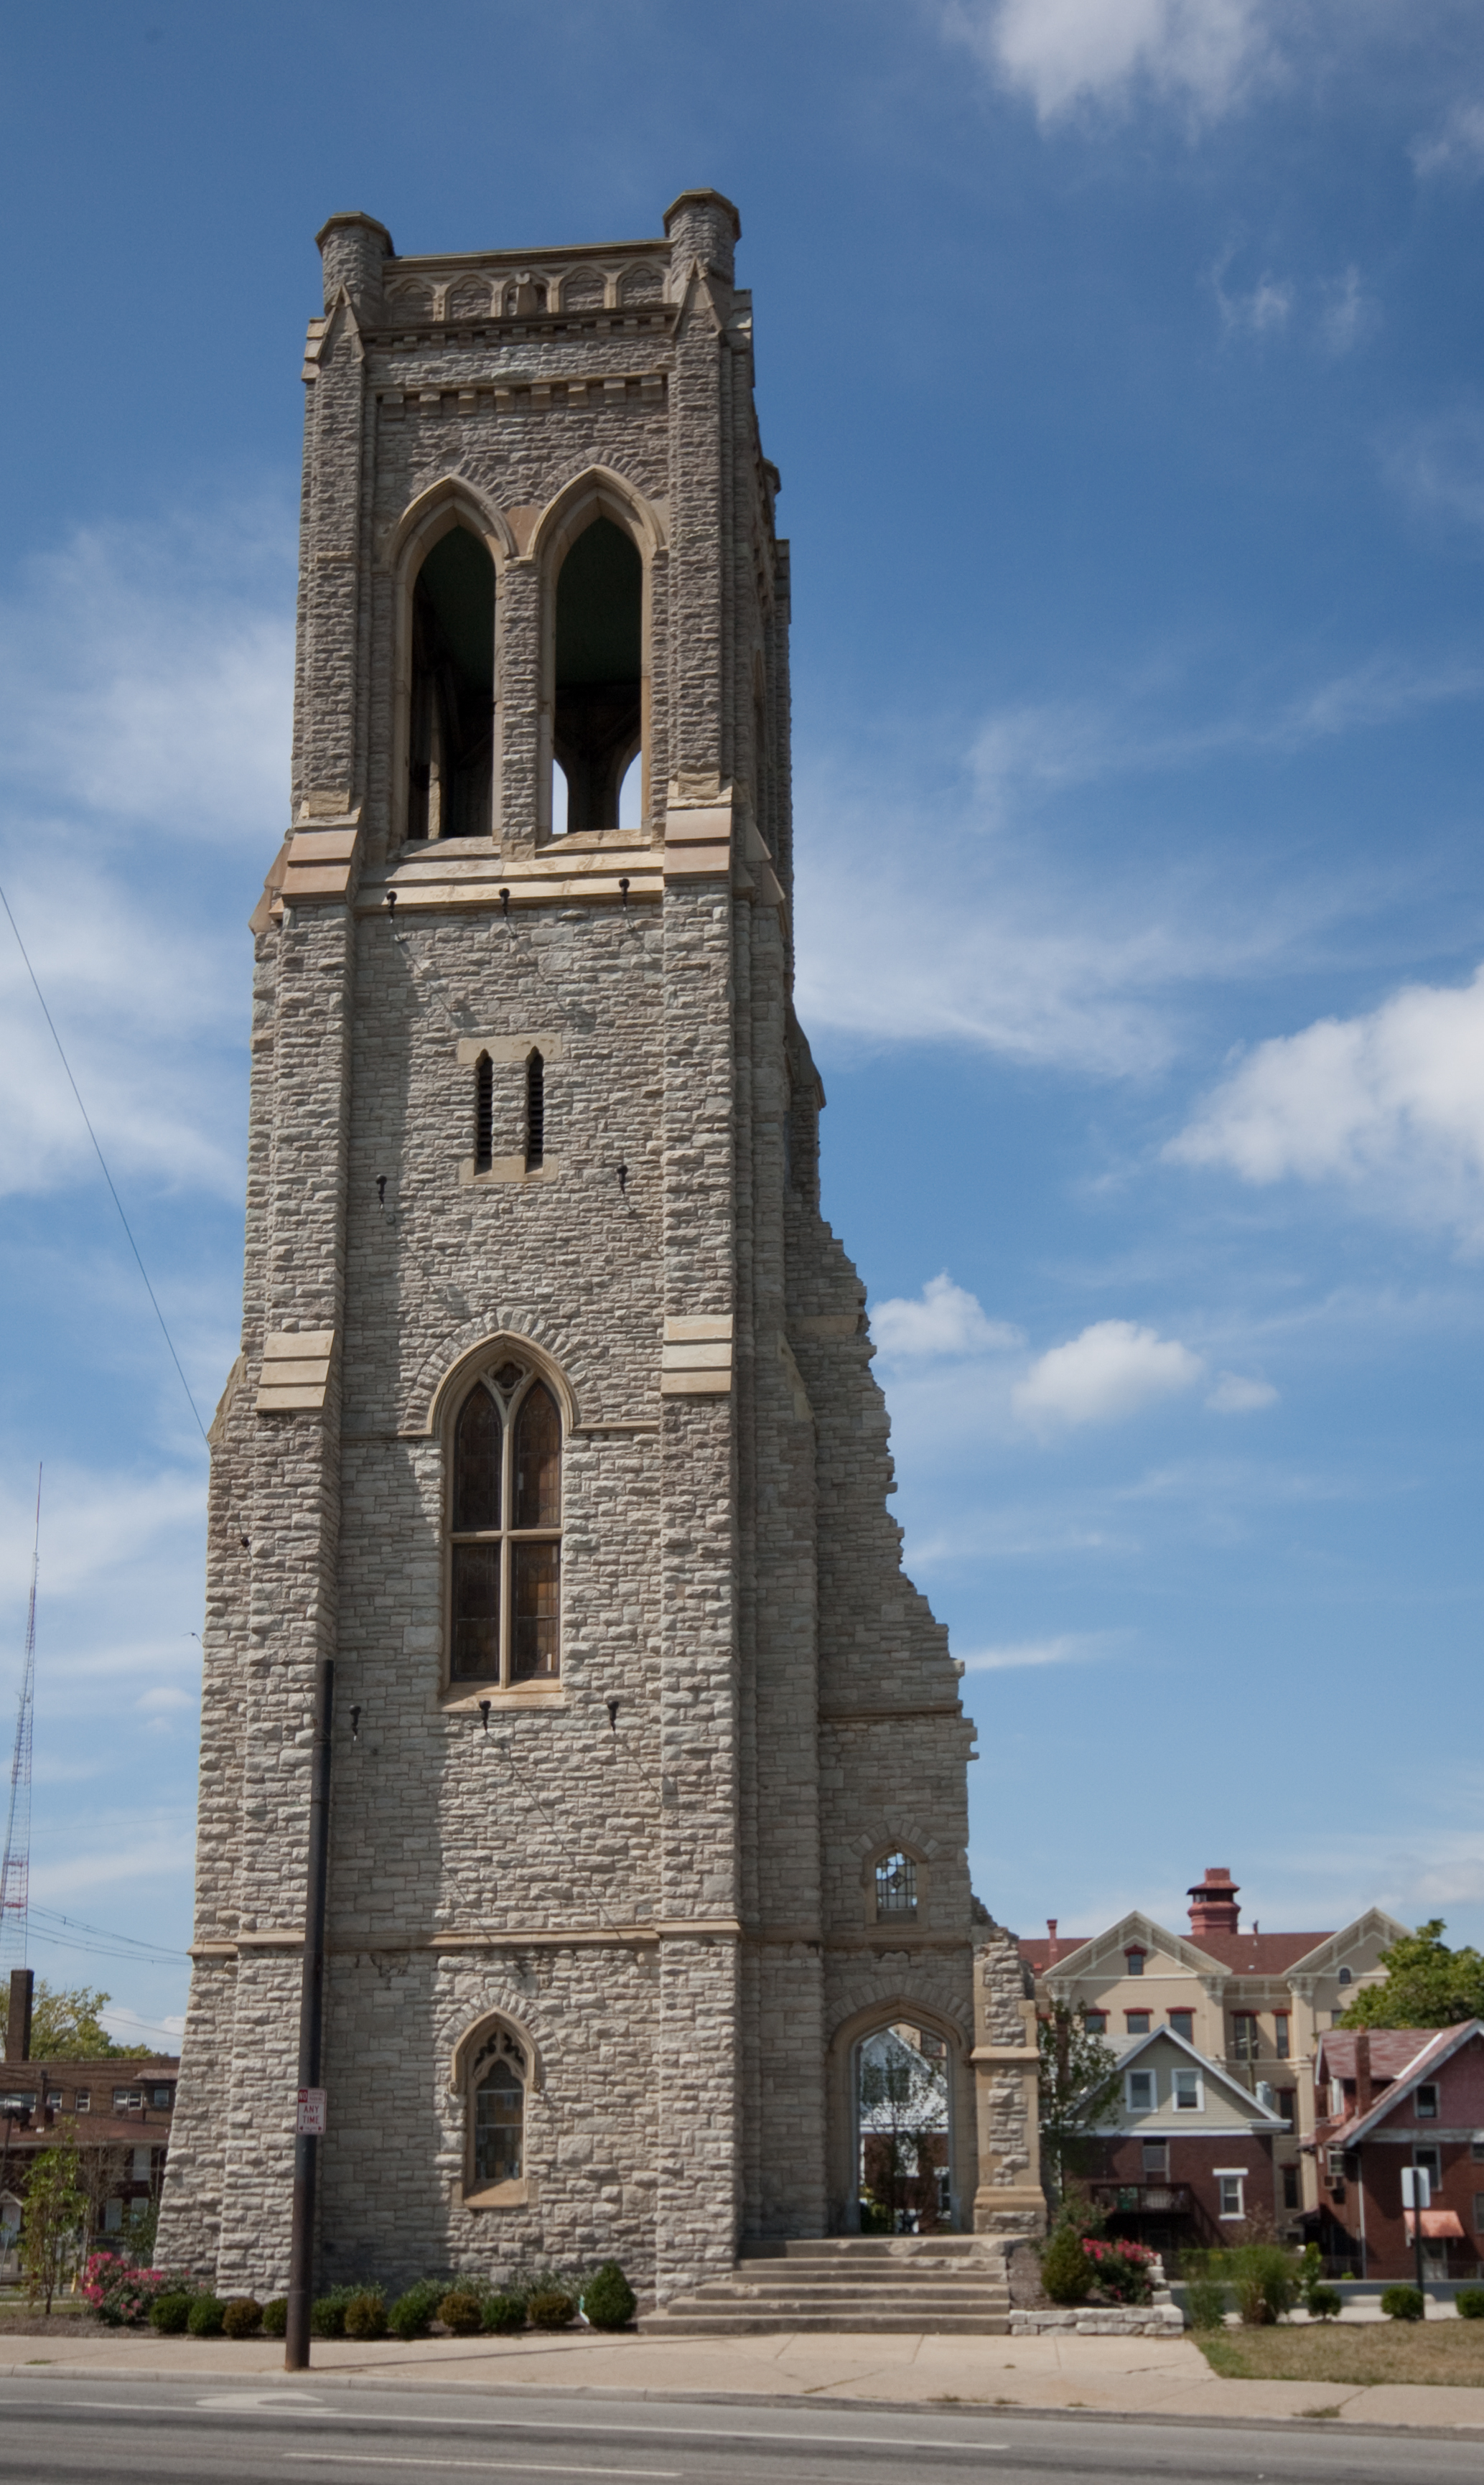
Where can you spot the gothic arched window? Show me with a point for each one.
(499, 2075)
(450, 726)
(505, 1531)
(597, 722)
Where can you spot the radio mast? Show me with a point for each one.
(15, 1872)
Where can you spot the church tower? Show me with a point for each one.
(554, 1426)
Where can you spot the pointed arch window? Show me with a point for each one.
(498, 2083)
(597, 719)
(535, 1112)
(450, 726)
(506, 1533)
(483, 1113)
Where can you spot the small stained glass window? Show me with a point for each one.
(896, 1886)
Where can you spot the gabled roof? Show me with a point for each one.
(1391, 2050)
(1133, 1931)
(1237, 1953)
(1213, 2073)
(1330, 1948)
(1434, 2051)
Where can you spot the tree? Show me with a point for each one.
(1427, 1984)
(66, 2026)
(55, 2207)
(1079, 2081)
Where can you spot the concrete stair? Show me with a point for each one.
(953, 2284)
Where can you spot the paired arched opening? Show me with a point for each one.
(597, 682)
(451, 693)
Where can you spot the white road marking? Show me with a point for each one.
(525, 2466)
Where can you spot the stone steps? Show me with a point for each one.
(953, 2284)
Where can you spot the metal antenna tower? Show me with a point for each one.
(15, 1872)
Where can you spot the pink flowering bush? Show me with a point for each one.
(118, 2293)
(1124, 2270)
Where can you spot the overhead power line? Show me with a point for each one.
(102, 1161)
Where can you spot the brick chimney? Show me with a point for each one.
(1050, 1927)
(17, 2027)
(1213, 1907)
(1364, 2092)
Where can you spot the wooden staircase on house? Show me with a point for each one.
(943, 2283)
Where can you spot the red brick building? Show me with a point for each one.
(1387, 2098)
(1184, 2155)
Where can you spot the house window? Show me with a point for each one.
(1476, 2152)
(1182, 2023)
(127, 2100)
(1427, 2101)
(1231, 2191)
(1134, 1961)
(143, 2160)
(113, 2217)
(1284, 2101)
(82, 2101)
(1280, 2036)
(1429, 2162)
(1136, 2022)
(507, 1532)
(1185, 2087)
(497, 2078)
(450, 726)
(1336, 2099)
(1291, 2187)
(896, 1886)
(597, 719)
(54, 2099)
(164, 2099)
(1245, 2033)
(1096, 2024)
(1139, 2090)
(1479, 2213)
(1156, 2161)
(1345, 1976)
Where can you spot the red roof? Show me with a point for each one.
(1391, 2050)
(1257, 1953)
(1036, 1952)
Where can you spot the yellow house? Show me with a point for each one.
(1255, 2002)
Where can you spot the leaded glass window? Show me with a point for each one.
(896, 1886)
(497, 2101)
(505, 1507)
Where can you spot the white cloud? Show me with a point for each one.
(1456, 148)
(1061, 54)
(1112, 1369)
(1439, 467)
(944, 1319)
(1392, 1102)
(1235, 1396)
(1348, 316)
(1069, 1648)
(1265, 306)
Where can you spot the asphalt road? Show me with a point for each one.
(292, 2434)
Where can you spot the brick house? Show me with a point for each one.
(1386, 2098)
(118, 2111)
(1255, 2003)
(1185, 2155)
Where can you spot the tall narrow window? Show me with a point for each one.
(450, 727)
(497, 2078)
(536, 1112)
(506, 1508)
(483, 1113)
(597, 722)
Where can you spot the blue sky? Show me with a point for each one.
(1123, 361)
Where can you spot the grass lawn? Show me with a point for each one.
(1352, 2352)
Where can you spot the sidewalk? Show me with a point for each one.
(1119, 2376)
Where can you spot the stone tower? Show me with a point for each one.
(554, 1423)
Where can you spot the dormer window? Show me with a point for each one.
(1134, 1961)
(1346, 1976)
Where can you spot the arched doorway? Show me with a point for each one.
(903, 2089)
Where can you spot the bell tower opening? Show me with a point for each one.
(451, 743)
(599, 720)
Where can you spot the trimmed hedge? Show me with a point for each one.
(551, 2308)
(244, 2317)
(366, 2316)
(1403, 2303)
(275, 2317)
(504, 2312)
(171, 2312)
(207, 2317)
(608, 2300)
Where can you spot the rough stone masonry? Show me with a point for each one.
(616, 1757)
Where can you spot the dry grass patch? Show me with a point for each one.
(1357, 2352)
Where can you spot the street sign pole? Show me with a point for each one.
(1418, 2196)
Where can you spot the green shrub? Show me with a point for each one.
(608, 2300)
(1403, 2303)
(551, 2308)
(1206, 2302)
(1469, 2300)
(327, 2317)
(460, 2312)
(171, 2312)
(242, 2317)
(365, 2316)
(1266, 2278)
(504, 2313)
(1325, 2303)
(275, 2317)
(413, 2314)
(207, 2317)
(1066, 2273)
